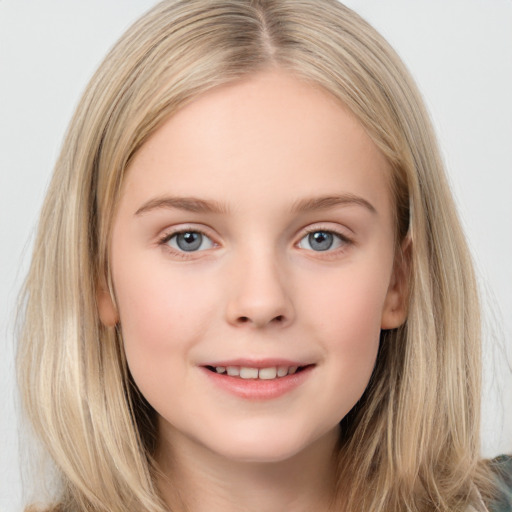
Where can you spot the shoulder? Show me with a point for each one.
(502, 468)
(51, 508)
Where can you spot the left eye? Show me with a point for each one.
(321, 241)
(190, 241)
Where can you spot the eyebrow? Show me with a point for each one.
(189, 204)
(196, 205)
(326, 202)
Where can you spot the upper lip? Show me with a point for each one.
(256, 363)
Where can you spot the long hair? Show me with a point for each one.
(412, 441)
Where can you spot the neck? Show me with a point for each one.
(209, 482)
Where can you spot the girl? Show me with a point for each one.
(249, 289)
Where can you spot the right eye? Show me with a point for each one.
(322, 241)
(188, 241)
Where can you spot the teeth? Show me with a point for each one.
(267, 373)
(248, 373)
(233, 371)
(282, 371)
(255, 373)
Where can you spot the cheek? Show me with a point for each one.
(163, 315)
(344, 313)
(348, 304)
(156, 299)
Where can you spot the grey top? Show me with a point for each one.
(502, 466)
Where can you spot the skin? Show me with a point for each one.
(257, 288)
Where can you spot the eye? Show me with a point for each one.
(322, 241)
(189, 241)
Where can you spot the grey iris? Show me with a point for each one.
(320, 240)
(189, 241)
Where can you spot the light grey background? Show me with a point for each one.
(460, 52)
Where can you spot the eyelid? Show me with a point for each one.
(327, 229)
(184, 228)
(336, 230)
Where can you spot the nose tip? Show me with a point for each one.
(259, 299)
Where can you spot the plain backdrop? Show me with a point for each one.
(460, 53)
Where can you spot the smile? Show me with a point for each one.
(243, 372)
(262, 380)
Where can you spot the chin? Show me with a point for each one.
(263, 447)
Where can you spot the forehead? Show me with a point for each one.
(269, 136)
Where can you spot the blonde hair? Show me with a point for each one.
(412, 442)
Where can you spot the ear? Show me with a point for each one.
(395, 308)
(106, 308)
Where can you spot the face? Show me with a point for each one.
(252, 260)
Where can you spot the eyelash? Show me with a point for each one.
(186, 255)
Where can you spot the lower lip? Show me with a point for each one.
(259, 389)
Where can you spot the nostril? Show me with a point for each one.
(247, 319)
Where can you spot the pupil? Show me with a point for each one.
(320, 240)
(189, 241)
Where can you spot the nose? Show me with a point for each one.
(259, 295)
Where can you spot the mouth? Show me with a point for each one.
(252, 373)
(258, 380)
